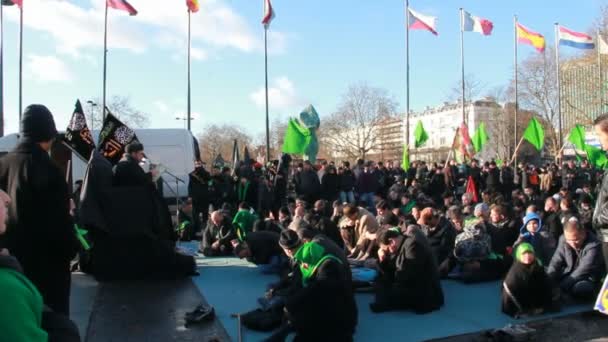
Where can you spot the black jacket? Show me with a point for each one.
(198, 187)
(600, 214)
(503, 235)
(347, 181)
(410, 279)
(330, 186)
(441, 239)
(263, 245)
(40, 230)
(308, 183)
(129, 173)
(554, 224)
(493, 180)
(223, 233)
(525, 289)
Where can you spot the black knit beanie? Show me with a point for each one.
(289, 239)
(37, 123)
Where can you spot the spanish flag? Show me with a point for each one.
(193, 5)
(525, 36)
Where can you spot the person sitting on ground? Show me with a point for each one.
(386, 218)
(409, 279)
(284, 217)
(503, 231)
(357, 223)
(552, 218)
(532, 232)
(585, 212)
(440, 233)
(407, 203)
(217, 236)
(577, 265)
(269, 223)
(243, 221)
(324, 224)
(454, 214)
(325, 293)
(261, 248)
(527, 289)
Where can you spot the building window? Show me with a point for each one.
(442, 141)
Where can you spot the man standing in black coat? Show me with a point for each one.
(128, 172)
(409, 276)
(40, 231)
(308, 185)
(198, 190)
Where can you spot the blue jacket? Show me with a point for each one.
(568, 267)
(542, 241)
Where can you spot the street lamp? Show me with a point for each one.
(185, 121)
(92, 104)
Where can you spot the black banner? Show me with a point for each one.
(114, 137)
(78, 136)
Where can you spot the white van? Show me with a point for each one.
(175, 149)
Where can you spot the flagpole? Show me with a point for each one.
(464, 118)
(189, 114)
(599, 71)
(407, 74)
(105, 57)
(514, 159)
(20, 60)
(1, 71)
(559, 93)
(266, 85)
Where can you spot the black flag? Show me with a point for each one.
(114, 137)
(78, 136)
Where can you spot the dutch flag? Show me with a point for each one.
(575, 39)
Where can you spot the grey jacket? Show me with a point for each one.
(567, 267)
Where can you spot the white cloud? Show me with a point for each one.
(281, 95)
(158, 24)
(198, 54)
(161, 106)
(47, 69)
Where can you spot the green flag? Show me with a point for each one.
(405, 160)
(480, 138)
(296, 138)
(596, 156)
(535, 134)
(498, 162)
(420, 135)
(577, 137)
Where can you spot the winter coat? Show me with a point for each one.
(330, 186)
(224, 233)
(569, 266)
(526, 288)
(600, 214)
(543, 242)
(410, 279)
(308, 184)
(503, 235)
(128, 173)
(324, 309)
(554, 225)
(263, 245)
(367, 183)
(198, 187)
(493, 180)
(347, 181)
(247, 193)
(441, 239)
(40, 231)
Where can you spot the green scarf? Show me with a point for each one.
(242, 191)
(407, 209)
(243, 222)
(310, 256)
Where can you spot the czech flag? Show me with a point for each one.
(122, 5)
(575, 39)
(268, 13)
(193, 5)
(525, 36)
(476, 24)
(422, 22)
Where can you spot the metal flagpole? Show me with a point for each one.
(464, 117)
(516, 98)
(266, 80)
(189, 114)
(20, 61)
(599, 71)
(105, 58)
(1, 71)
(407, 74)
(559, 93)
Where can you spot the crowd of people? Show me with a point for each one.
(542, 230)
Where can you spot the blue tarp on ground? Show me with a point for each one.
(232, 285)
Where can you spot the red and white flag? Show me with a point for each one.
(268, 13)
(122, 5)
(422, 22)
(472, 23)
(12, 2)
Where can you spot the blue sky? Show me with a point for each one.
(317, 49)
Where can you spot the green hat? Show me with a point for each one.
(523, 248)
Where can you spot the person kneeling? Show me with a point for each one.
(262, 248)
(526, 290)
(324, 308)
(577, 264)
(409, 277)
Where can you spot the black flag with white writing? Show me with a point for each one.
(114, 137)
(78, 136)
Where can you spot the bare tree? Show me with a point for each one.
(473, 87)
(219, 139)
(119, 106)
(353, 130)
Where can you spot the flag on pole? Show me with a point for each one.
(462, 144)
(114, 137)
(471, 23)
(405, 159)
(193, 5)
(12, 2)
(577, 137)
(602, 45)
(472, 189)
(596, 156)
(525, 36)
(422, 22)
(420, 135)
(122, 5)
(535, 134)
(78, 136)
(268, 13)
(296, 138)
(601, 304)
(480, 138)
(574, 39)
